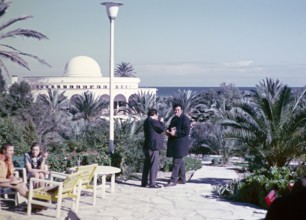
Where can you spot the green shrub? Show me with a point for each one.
(190, 164)
(255, 187)
(167, 165)
(12, 131)
(252, 192)
(62, 162)
(128, 154)
(229, 190)
(59, 162)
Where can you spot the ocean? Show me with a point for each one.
(166, 91)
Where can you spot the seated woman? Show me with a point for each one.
(35, 163)
(7, 179)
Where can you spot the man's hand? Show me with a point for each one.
(172, 132)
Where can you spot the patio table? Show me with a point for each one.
(102, 171)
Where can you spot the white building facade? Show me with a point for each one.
(83, 74)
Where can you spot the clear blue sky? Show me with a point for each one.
(172, 42)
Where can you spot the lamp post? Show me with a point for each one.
(112, 11)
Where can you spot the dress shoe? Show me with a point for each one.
(144, 185)
(170, 184)
(155, 186)
(181, 182)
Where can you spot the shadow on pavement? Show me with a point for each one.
(212, 181)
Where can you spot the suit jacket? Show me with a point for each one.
(153, 132)
(178, 145)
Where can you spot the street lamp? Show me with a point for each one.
(112, 11)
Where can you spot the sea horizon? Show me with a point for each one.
(169, 90)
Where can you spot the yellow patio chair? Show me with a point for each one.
(5, 192)
(55, 192)
(88, 172)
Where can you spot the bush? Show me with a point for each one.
(256, 186)
(190, 164)
(229, 190)
(128, 154)
(62, 162)
(167, 165)
(12, 131)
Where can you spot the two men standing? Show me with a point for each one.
(178, 145)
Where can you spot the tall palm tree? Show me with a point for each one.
(50, 115)
(125, 69)
(13, 54)
(272, 125)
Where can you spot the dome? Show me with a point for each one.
(82, 66)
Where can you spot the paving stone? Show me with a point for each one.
(193, 201)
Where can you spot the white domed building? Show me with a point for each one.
(83, 74)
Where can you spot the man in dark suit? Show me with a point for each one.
(154, 140)
(178, 144)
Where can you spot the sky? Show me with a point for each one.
(186, 43)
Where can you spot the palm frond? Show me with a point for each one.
(26, 54)
(272, 126)
(124, 69)
(14, 57)
(24, 33)
(3, 6)
(86, 106)
(12, 21)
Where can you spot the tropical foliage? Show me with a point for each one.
(139, 104)
(271, 126)
(124, 69)
(86, 106)
(18, 101)
(54, 100)
(193, 103)
(209, 139)
(9, 52)
(255, 187)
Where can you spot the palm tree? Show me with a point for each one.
(193, 103)
(55, 100)
(125, 69)
(86, 106)
(50, 115)
(271, 126)
(139, 104)
(13, 54)
(210, 135)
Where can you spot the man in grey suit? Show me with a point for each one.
(154, 140)
(178, 144)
